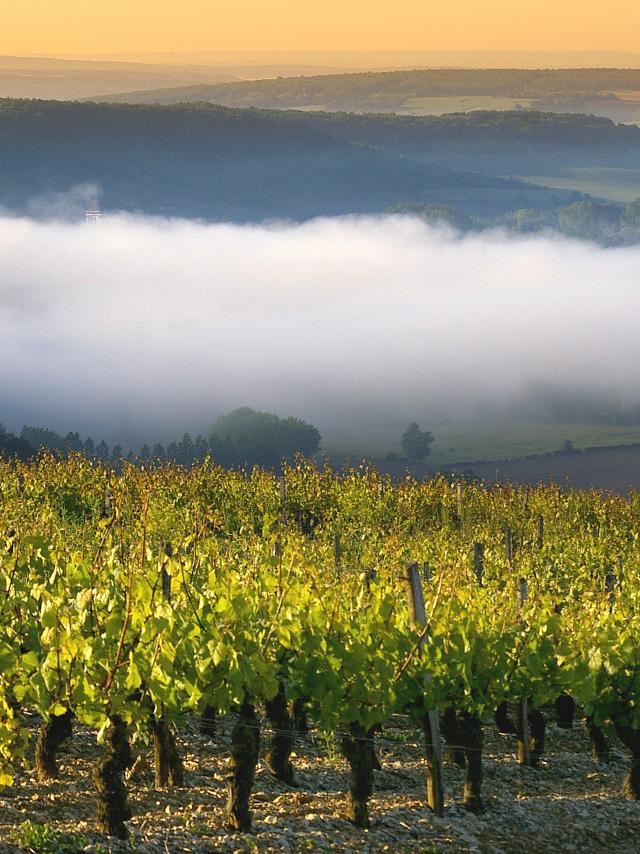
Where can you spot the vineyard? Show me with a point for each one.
(183, 614)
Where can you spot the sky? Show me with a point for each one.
(80, 27)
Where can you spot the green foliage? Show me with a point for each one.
(44, 839)
(304, 843)
(89, 624)
(331, 746)
(602, 664)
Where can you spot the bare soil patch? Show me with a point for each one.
(570, 804)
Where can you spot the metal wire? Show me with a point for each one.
(376, 739)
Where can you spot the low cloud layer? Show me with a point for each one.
(150, 327)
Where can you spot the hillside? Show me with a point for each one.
(428, 91)
(570, 152)
(486, 131)
(213, 162)
(564, 151)
(477, 139)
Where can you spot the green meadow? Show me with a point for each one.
(617, 184)
(440, 105)
(476, 441)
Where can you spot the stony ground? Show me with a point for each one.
(570, 804)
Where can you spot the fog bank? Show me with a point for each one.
(147, 327)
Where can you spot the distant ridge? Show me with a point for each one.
(614, 91)
(53, 77)
(391, 59)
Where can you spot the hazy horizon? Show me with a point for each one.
(73, 27)
(361, 59)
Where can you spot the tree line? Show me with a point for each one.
(604, 222)
(243, 437)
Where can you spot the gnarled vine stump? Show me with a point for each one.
(51, 734)
(245, 747)
(113, 807)
(358, 748)
(277, 757)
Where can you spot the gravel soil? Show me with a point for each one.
(569, 804)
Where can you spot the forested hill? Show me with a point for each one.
(483, 131)
(392, 90)
(213, 162)
(501, 143)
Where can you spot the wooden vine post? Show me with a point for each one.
(503, 722)
(169, 769)
(508, 546)
(524, 749)
(164, 575)
(277, 757)
(610, 588)
(431, 723)
(209, 715)
(370, 576)
(108, 501)
(337, 552)
(426, 572)
(283, 500)
(478, 562)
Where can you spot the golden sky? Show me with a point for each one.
(95, 26)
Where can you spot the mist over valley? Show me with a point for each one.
(142, 328)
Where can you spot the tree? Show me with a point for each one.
(632, 212)
(589, 220)
(14, 446)
(416, 442)
(262, 438)
(200, 448)
(102, 451)
(73, 442)
(39, 437)
(185, 450)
